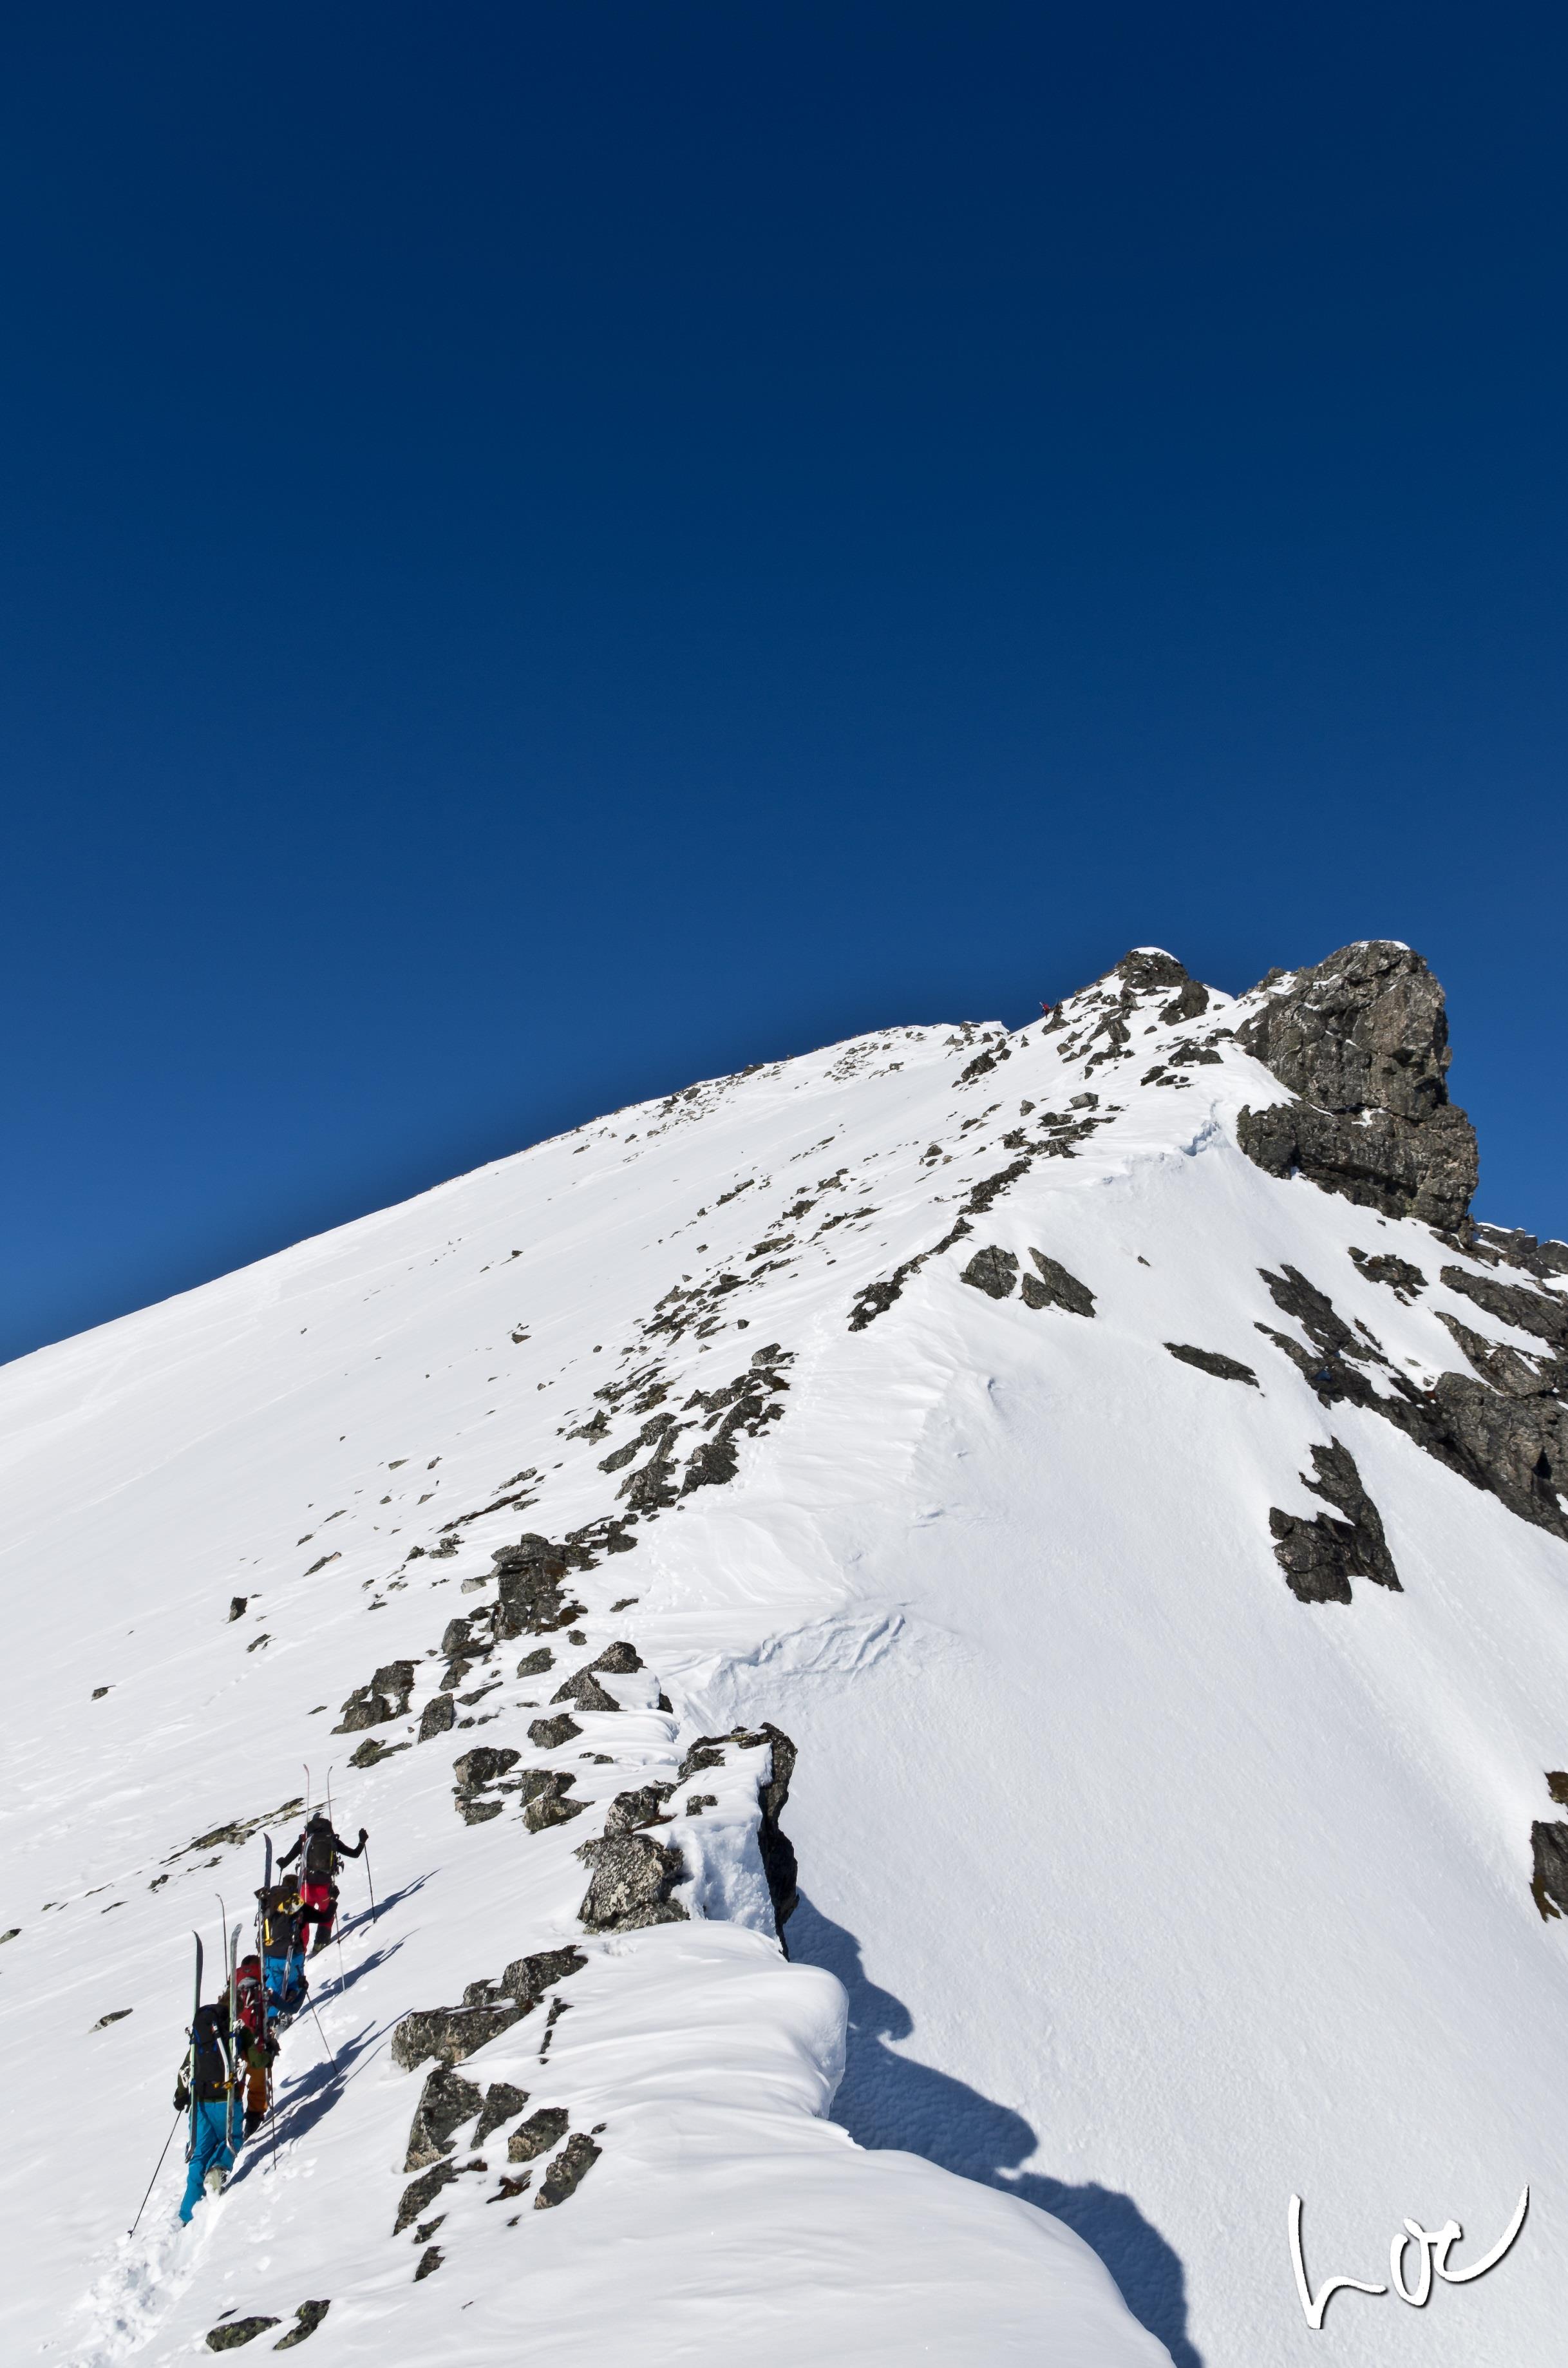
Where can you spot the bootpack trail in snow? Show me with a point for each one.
(1018, 1578)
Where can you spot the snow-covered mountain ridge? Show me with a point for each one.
(1106, 1453)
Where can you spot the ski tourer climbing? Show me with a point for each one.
(205, 2090)
(282, 1924)
(257, 2050)
(322, 1850)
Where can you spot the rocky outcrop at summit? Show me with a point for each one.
(1361, 1041)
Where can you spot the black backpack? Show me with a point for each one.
(321, 1858)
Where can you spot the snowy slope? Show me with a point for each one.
(1157, 1893)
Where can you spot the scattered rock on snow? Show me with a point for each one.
(633, 1876)
(585, 1690)
(1056, 1288)
(310, 2316)
(538, 2134)
(429, 2262)
(437, 1717)
(386, 1697)
(550, 1733)
(445, 2101)
(237, 2332)
(527, 1979)
(502, 2103)
(992, 1270)
(1209, 1360)
(1549, 1880)
(566, 2173)
(449, 2034)
(1320, 1558)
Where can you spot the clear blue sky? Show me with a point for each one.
(549, 550)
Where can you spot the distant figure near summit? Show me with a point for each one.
(323, 1849)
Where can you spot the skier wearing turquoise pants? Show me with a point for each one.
(206, 2088)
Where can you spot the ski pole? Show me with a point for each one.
(369, 1880)
(324, 2041)
(153, 2181)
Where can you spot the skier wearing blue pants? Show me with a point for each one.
(206, 2086)
(283, 1936)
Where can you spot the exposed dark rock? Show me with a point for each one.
(310, 2316)
(420, 2193)
(1209, 1360)
(530, 1577)
(436, 1717)
(538, 2134)
(1513, 1371)
(629, 1811)
(476, 1812)
(1541, 1312)
(990, 1187)
(237, 1606)
(385, 1697)
(429, 2262)
(372, 1750)
(534, 1665)
(445, 2101)
(1320, 1558)
(1401, 1276)
(238, 2331)
(652, 1484)
(703, 1754)
(566, 2173)
(1056, 1288)
(1316, 1312)
(777, 1851)
(1516, 1247)
(527, 1979)
(697, 1802)
(877, 1297)
(633, 1878)
(619, 1660)
(1549, 1881)
(1362, 1040)
(479, 1767)
(548, 1806)
(992, 1270)
(451, 2033)
(1190, 1053)
(1190, 1002)
(550, 1733)
(585, 1690)
(500, 2102)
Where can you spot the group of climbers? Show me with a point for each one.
(234, 2042)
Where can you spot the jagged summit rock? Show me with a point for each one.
(1361, 1041)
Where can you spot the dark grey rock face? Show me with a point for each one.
(585, 1690)
(629, 1811)
(451, 2033)
(992, 1271)
(538, 2134)
(385, 1697)
(530, 1977)
(620, 1660)
(633, 1876)
(529, 1576)
(1513, 1371)
(437, 1717)
(445, 2101)
(1513, 1247)
(476, 1812)
(549, 1805)
(1056, 1288)
(1209, 1360)
(475, 1769)
(1362, 1040)
(1541, 1312)
(877, 1297)
(310, 2316)
(534, 1665)
(1320, 1558)
(1402, 1279)
(502, 2103)
(238, 2331)
(429, 2262)
(1549, 1881)
(567, 2172)
(420, 2193)
(550, 1733)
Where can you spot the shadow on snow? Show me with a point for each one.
(888, 2100)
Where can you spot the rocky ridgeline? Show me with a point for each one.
(632, 1871)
